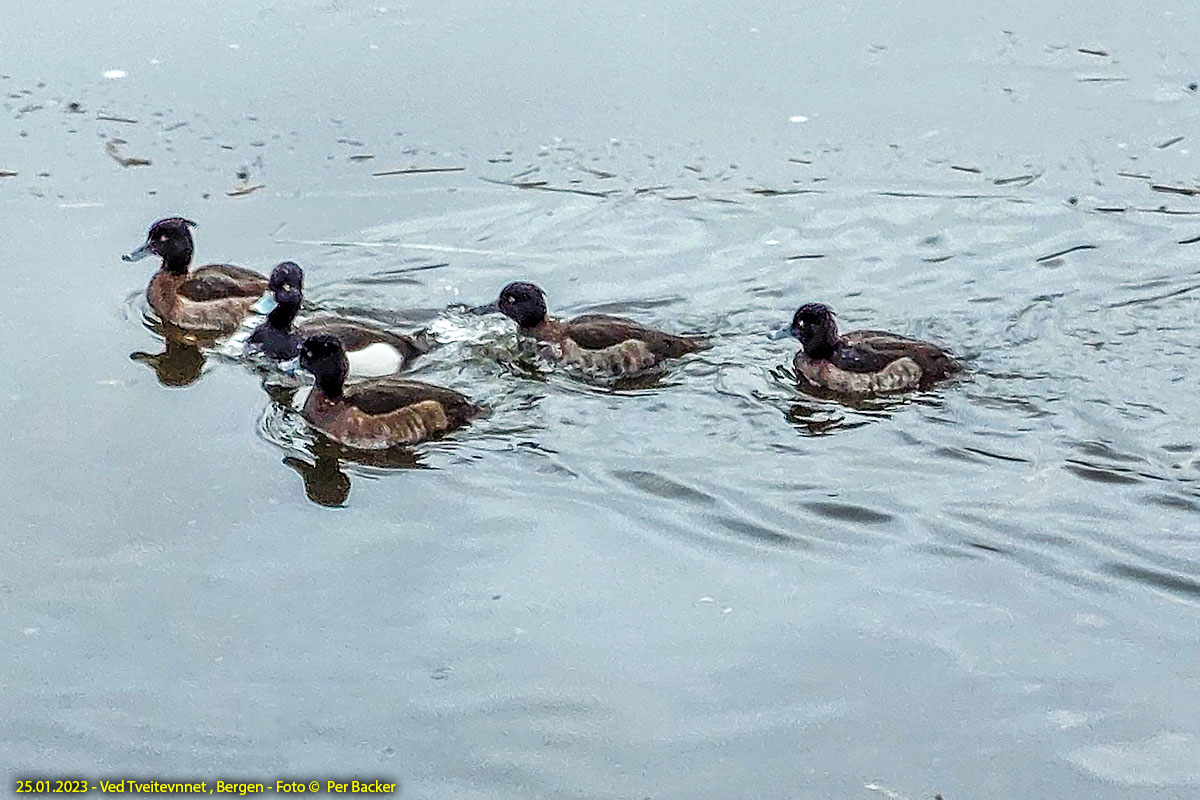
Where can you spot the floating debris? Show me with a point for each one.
(1094, 51)
(800, 161)
(546, 187)
(245, 189)
(693, 168)
(1137, 175)
(763, 191)
(804, 256)
(1192, 240)
(649, 189)
(115, 74)
(73, 107)
(113, 148)
(1017, 180)
(416, 171)
(1101, 78)
(1074, 249)
(960, 168)
(1170, 142)
(599, 173)
(1111, 209)
(362, 156)
(1184, 190)
(1173, 212)
(114, 118)
(8, 173)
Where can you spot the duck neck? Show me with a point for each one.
(331, 385)
(824, 344)
(544, 328)
(177, 260)
(282, 316)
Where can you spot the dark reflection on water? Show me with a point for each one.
(325, 481)
(179, 364)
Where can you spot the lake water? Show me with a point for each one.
(714, 587)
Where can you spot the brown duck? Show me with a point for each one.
(375, 414)
(596, 344)
(862, 363)
(212, 299)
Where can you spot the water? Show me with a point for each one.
(713, 587)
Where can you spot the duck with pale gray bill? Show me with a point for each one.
(370, 350)
(596, 344)
(212, 299)
(379, 413)
(862, 363)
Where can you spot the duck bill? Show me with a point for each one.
(780, 333)
(139, 254)
(265, 304)
(490, 308)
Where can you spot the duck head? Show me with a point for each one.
(324, 356)
(815, 327)
(524, 303)
(171, 240)
(285, 293)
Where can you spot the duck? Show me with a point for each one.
(375, 414)
(862, 363)
(597, 344)
(372, 352)
(213, 299)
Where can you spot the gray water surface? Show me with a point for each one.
(717, 586)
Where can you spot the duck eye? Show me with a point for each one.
(287, 287)
(162, 237)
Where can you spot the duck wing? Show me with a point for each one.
(600, 331)
(385, 396)
(221, 281)
(871, 351)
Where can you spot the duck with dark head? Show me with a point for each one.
(862, 363)
(597, 344)
(375, 414)
(370, 350)
(213, 299)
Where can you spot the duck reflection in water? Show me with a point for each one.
(323, 465)
(181, 363)
(182, 360)
(819, 411)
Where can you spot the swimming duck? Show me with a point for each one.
(594, 343)
(371, 351)
(862, 362)
(213, 299)
(375, 414)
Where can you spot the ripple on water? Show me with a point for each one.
(1168, 758)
